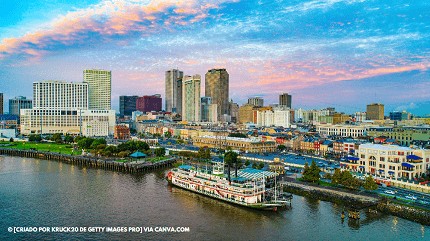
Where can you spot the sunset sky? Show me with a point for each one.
(337, 53)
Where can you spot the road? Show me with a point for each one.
(423, 199)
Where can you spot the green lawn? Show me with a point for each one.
(157, 159)
(49, 147)
(122, 160)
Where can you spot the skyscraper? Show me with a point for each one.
(127, 104)
(99, 88)
(60, 95)
(191, 98)
(1, 104)
(375, 111)
(62, 107)
(204, 108)
(256, 101)
(216, 87)
(173, 89)
(18, 103)
(285, 100)
(148, 103)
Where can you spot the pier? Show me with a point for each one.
(89, 161)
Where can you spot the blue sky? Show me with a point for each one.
(325, 52)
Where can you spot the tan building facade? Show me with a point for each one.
(375, 111)
(251, 145)
(217, 87)
(390, 161)
(246, 114)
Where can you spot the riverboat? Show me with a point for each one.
(251, 188)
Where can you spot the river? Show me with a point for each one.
(44, 194)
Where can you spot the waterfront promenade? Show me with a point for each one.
(90, 161)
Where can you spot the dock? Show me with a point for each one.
(89, 161)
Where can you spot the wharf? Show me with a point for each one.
(92, 162)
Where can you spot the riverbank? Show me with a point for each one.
(92, 162)
(358, 201)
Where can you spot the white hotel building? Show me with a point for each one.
(389, 161)
(279, 116)
(342, 130)
(62, 107)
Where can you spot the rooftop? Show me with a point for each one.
(385, 147)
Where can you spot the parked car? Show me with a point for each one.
(391, 192)
(411, 197)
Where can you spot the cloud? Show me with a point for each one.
(318, 4)
(105, 21)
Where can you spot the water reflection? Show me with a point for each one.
(88, 197)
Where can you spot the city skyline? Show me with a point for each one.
(345, 54)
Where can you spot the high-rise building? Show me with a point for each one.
(99, 88)
(256, 101)
(1, 104)
(285, 100)
(60, 95)
(173, 89)
(204, 108)
(191, 98)
(234, 111)
(18, 103)
(375, 111)
(216, 87)
(127, 104)
(148, 103)
(61, 107)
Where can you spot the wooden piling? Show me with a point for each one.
(92, 162)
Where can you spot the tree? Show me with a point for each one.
(123, 154)
(57, 138)
(348, 181)
(327, 176)
(282, 147)
(306, 171)
(11, 139)
(237, 134)
(85, 143)
(160, 151)
(109, 150)
(34, 138)
(204, 153)
(68, 139)
(254, 165)
(97, 142)
(370, 184)
(335, 179)
(260, 165)
(167, 134)
(78, 138)
(247, 162)
(311, 173)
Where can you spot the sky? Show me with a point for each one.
(338, 53)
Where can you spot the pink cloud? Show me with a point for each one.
(106, 19)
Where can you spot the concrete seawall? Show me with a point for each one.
(331, 195)
(410, 213)
(92, 162)
(358, 201)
